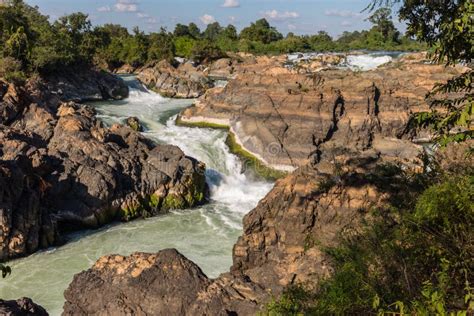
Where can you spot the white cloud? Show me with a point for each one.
(346, 23)
(104, 9)
(343, 13)
(231, 4)
(126, 6)
(292, 27)
(207, 19)
(275, 15)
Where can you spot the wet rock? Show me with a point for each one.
(134, 123)
(21, 307)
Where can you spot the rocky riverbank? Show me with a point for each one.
(62, 169)
(283, 243)
(338, 129)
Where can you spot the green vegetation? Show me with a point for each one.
(448, 28)
(30, 43)
(252, 162)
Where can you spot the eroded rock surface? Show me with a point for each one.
(284, 117)
(186, 81)
(61, 169)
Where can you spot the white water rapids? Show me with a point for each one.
(205, 234)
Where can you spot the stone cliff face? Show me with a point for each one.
(284, 117)
(61, 169)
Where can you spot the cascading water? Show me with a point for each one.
(205, 234)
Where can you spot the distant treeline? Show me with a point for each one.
(30, 43)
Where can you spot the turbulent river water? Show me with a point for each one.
(205, 234)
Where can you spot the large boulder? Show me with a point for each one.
(185, 81)
(165, 283)
(85, 84)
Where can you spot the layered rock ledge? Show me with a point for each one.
(62, 169)
(284, 117)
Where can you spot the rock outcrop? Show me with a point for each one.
(21, 307)
(82, 85)
(284, 117)
(283, 243)
(185, 81)
(61, 169)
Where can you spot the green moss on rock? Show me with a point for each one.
(253, 162)
(131, 212)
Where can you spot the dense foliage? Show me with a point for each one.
(30, 43)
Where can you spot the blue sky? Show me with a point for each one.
(298, 16)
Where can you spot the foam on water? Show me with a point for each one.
(45, 275)
(357, 62)
(366, 62)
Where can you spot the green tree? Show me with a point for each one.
(206, 51)
(184, 46)
(17, 46)
(261, 31)
(212, 32)
(230, 32)
(321, 42)
(181, 30)
(194, 31)
(382, 18)
(162, 47)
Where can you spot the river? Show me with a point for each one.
(205, 234)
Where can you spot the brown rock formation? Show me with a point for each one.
(186, 81)
(338, 128)
(284, 117)
(60, 168)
